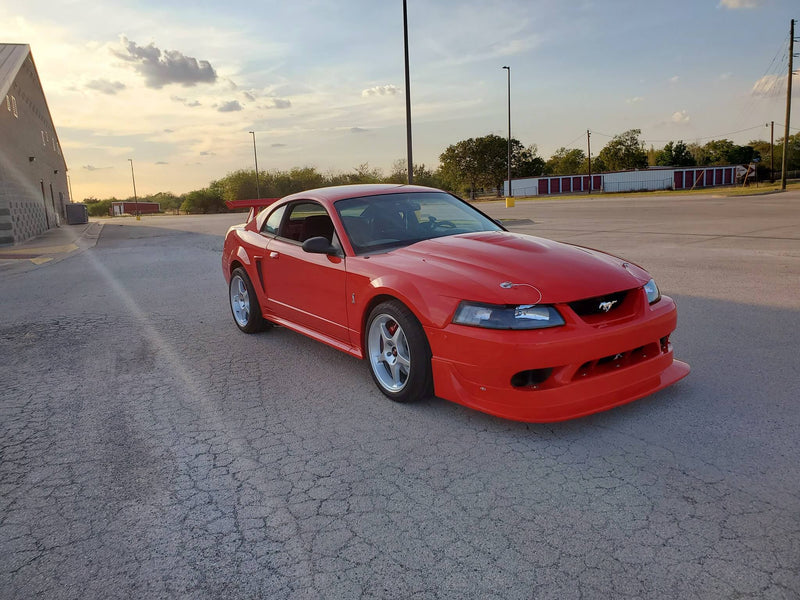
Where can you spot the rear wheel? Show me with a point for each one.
(398, 353)
(244, 303)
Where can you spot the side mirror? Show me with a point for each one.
(318, 245)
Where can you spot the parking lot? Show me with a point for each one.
(150, 449)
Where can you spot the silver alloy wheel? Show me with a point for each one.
(389, 355)
(240, 301)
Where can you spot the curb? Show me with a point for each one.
(52, 246)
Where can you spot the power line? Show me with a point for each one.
(573, 141)
(711, 137)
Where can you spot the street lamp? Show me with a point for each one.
(409, 158)
(255, 154)
(508, 69)
(135, 199)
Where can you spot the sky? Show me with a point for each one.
(177, 85)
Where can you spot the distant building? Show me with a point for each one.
(33, 173)
(652, 179)
(133, 208)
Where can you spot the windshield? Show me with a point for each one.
(390, 221)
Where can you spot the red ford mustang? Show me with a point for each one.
(441, 299)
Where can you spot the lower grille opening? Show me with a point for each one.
(532, 378)
(606, 364)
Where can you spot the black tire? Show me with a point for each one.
(397, 353)
(244, 303)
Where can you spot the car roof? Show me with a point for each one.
(339, 192)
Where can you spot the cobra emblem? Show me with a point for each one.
(607, 306)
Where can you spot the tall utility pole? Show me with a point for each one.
(589, 156)
(255, 155)
(510, 195)
(784, 158)
(409, 159)
(133, 178)
(772, 151)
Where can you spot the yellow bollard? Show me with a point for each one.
(138, 217)
(510, 202)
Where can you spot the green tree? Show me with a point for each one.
(98, 208)
(422, 175)
(459, 166)
(204, 201)
(723, 152)
(483, 162)
(240, 185)
(675, 154)
(624, 151)
(167, 201)
(566, 162)
(762, 148)
(598, 166)
(525, 162)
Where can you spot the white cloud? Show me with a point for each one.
(185, 102)
(230, 106)
(634, 100)
(163, 67)
(769, 85)
(674, 79)
(104, 86)
(277, 103)
(680, 116)
(739, 4)
(381, 90)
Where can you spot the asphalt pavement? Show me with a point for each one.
(148, 449)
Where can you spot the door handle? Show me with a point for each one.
(273, 255)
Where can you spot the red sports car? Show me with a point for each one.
(441, 299)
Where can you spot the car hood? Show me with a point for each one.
(473, 266)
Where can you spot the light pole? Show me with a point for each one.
(771, 126)
(255, 154)
(508, 69)
(409, 158)
(135, 199)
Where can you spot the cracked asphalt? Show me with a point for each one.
(148, 449)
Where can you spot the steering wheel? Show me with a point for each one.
(434, 224)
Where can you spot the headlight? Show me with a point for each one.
(493, 316)
(651, 289)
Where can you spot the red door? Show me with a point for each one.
(306, 289)
(544, 188)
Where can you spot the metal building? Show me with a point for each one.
(33, 173)
(652, 179)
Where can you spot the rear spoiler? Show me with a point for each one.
(253, 205)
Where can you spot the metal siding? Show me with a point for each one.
(555, 185)
(566, 184)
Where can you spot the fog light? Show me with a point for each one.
(530, 379)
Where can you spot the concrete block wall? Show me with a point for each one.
(33, 177)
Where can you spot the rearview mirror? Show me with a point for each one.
(318, 245)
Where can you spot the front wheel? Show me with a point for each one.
(398, 352)
(244, 303)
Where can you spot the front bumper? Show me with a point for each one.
(559, 373)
